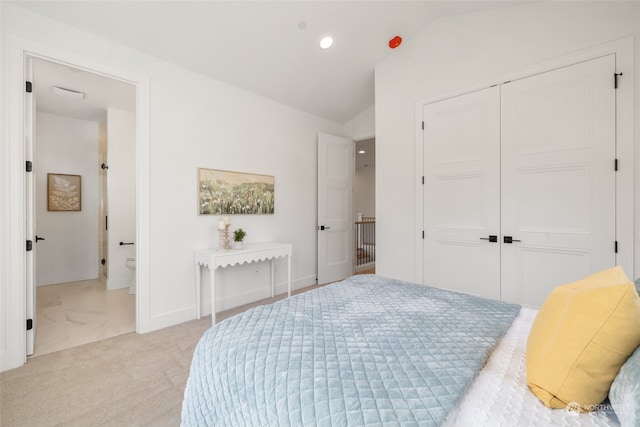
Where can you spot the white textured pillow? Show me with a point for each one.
(625, 392)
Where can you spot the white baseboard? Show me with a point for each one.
(54, 279)
(118, 283)
(173, 318)
(189, 313)
(256, 295)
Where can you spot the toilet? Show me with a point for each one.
(131, 264)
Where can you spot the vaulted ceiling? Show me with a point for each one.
(267, 47)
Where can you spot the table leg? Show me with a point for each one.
(198, 284)
(273, 277)
(212, 280)
(289, 275)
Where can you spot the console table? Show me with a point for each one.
(252, 252)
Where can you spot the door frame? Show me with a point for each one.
(12, 245)
(624, 51)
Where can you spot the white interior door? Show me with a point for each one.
(30, 191)
(336, 167)
(558, 178)
(462, 193)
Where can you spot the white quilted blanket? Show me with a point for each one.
(499, 396)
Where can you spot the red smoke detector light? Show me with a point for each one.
(395, 42)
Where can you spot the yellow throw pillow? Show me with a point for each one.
(582, 335)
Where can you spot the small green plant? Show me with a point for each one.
(238, 235)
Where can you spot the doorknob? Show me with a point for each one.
(491, 238)
(39, 238)
(323, 227)
(509, 239)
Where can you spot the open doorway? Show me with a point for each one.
(365, 206)
(84, 123)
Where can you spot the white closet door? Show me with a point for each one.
(558, 179)
(462, 193)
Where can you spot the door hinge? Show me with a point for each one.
(423, 234)
(615, 164)
(29, 245)
(103, 261)
(423, 125)
(616, 246)
(29, 87)
(29, 166)
(615, 80)
(29, 324)
(422, 179)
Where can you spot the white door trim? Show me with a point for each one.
(30, 210)
(12, 162)
(624, 51)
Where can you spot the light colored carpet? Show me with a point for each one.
(128, 380)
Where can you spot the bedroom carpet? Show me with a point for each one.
(128, 380)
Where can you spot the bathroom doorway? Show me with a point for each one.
(84, 205)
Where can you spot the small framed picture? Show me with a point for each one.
(64, 192)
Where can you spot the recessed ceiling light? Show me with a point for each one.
(326, 42)
(361, 152)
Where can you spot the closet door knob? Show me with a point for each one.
(509, 239)
(491, 238)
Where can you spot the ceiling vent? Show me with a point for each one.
(68, 93)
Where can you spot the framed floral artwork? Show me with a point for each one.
(64, 192)
(224, 192)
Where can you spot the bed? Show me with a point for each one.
(370, 351)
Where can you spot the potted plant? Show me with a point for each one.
(238, 237)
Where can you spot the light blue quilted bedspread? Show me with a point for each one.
(365, 351)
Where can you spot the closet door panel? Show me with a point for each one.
(558, 180)
(462, 193)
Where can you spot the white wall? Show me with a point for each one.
(69, 252)
(460, 52)
(359, 128)
(194, 122)
(365, 190)
(362, 126)
(121, 195)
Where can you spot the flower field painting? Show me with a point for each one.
(227, 193)
(63, 192)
